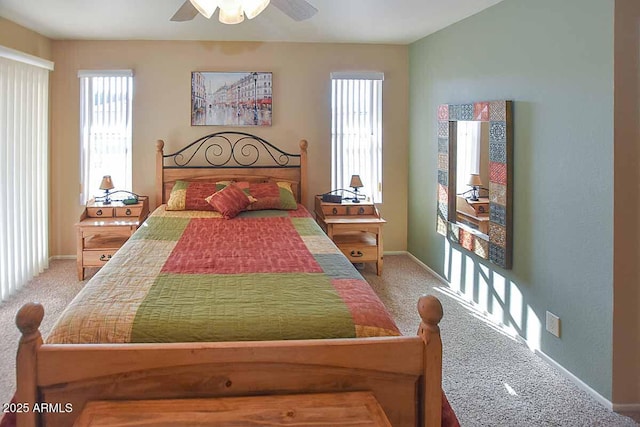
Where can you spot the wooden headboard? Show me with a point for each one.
(235, 156)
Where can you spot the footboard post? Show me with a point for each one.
(28, 321)
(430, 310)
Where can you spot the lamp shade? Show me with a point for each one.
(230, 13)
(106, 183)
(252, 8)
(474, 180)
(356, 182)
(205, 7)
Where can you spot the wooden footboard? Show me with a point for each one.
(55, 382)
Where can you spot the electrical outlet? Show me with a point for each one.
(553, 324)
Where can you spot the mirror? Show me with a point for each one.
(475, 178)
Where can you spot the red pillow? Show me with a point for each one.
(269, 195)
(190, 196)
(229, 201)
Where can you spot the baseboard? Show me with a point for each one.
(55, 257)
(577, 381)
(395, 252)
(626, 407)
(429, 269)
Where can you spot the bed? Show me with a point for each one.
(197, 306)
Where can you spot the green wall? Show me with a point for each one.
(554, 59)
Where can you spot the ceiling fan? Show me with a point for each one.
(234, 11)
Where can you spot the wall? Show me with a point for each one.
(555, 60)
(301, 85)
(626, 155)
(20, 38)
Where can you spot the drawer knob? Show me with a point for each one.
(105, 258)
(356, 254)
(360, 210)
(99, 212)
(335, 211)
(127, 212)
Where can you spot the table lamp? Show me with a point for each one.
(356, 183)
(475, 182)
(106, 185)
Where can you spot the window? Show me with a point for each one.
(24, 168)
(356, 131)
(105, 130)
(468, 152)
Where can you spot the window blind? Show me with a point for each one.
(24, 201)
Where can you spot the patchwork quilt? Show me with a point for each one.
(192, 276)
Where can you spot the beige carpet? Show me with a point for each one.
(490, 379)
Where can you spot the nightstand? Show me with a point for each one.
(103, 229)
(355, 228)
(473, 213)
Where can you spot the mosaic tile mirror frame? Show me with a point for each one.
(496, 246)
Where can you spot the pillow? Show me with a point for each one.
(190, 196)
(229, 201)
(269, 195)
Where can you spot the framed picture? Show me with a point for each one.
(230, 99)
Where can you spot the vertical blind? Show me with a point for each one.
(24, 201)
(356, 131)
(105, 129)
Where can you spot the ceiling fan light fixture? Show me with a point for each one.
(230, 12)
(234, 11)
(253, 8)
(205, 7)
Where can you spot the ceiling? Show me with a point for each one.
(337, 21)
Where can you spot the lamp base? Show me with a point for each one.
(355, 198)
(474, 194)
(107, 199)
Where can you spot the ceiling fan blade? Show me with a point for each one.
(186, 12)
(298, 10)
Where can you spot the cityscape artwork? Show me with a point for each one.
(230, 99)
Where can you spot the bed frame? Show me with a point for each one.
(403, 373)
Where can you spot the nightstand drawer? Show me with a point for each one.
(99, 211)
(329, 210)
(358, 247)
(97, 258)
(133, 211)
(481, 208)
(344, 210)
(360, 253)
(361, 210)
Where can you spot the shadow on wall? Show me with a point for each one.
(490, 293)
